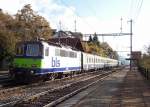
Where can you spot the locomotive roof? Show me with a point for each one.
(49, 43)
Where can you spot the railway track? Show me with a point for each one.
(27, 93)
(52, 97)
(9, 97)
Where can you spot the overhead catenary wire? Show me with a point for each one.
(89, 25)
(139, 10)
(135, 9)
(131, 8)
(92, 9)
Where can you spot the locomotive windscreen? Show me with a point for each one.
(29, 49)
(32, 50)
(20, 49)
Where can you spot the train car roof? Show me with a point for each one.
(51, 44)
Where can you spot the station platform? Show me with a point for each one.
(122, 89)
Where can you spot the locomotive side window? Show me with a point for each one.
(32, 50)
(75, 55)
(47, 51)
(72, 54)
(57, 52)
(20, 50)
(63, 53)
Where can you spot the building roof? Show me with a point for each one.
(64, 34)
(74, 43)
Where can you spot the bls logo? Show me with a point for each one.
(55, 62)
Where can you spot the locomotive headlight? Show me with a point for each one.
(16, 65)
(34, 65)
(31, 71)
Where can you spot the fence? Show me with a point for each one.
(145, 72)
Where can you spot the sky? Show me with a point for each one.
(100, 16)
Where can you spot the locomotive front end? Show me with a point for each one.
(27, 61)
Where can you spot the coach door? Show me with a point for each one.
(81, 61)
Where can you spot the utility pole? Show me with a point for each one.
(75, 26)
(60, 25)
(103, 39)
(121, 25)
(131, 44)
(120, 34)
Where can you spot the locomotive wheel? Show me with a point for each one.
(60, 75)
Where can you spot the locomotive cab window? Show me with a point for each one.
(20, 50)
(32, 50)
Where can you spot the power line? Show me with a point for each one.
(91, 27)
(91, 9)
(135, 9)
(139, 9)
(131, 8)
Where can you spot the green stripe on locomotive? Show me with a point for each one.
(27, 63)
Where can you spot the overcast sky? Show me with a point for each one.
(100, 16)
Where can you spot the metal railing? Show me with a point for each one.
(145, 72)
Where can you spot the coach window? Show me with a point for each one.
(47, 51)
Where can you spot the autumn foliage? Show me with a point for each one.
(145, 60)
(25, 25)
(102, 49)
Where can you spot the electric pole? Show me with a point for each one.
(121, 25)
(75, 26)
(131, 44)
(60, 25)
(120, 34)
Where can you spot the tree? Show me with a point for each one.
(7, 37)
(95, 39)
(31, 25)
(90, 39)
(26, 25)
(145, 60)
(148, 50)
